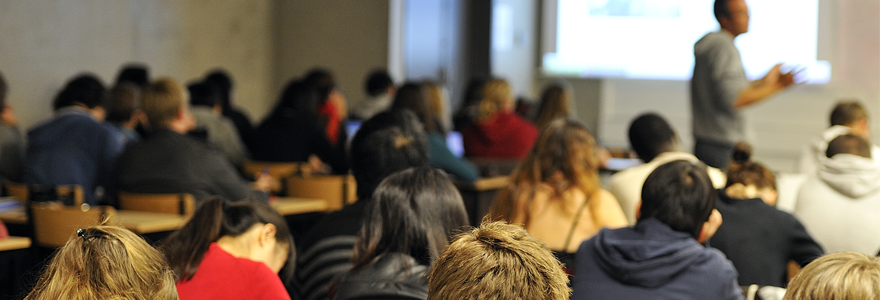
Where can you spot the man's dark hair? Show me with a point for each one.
(204, 93)
(85, 89)
(846, 112)
(124, 100)
(850, 144)
(321, 80)
(136, 74)
(223, 81)
(680, 195)
(721, 9)
(386, 143)
(650, 135)
(378, 82)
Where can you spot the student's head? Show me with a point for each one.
(848, 144)
(322, 81)
(497, 261)
(562, 157)
(84, 90)
(837, 276)
(415, 212)
(164, 103)
(680, 195)
(732, 15)
(436, 98)
(298, 96)
(555, 103)
(497, 97)
(388, 142)
(413, 97)
(204, 93)
(650, 135)
(251, 222)
(136, 74)
(378, 83)
(124, 102)
(852, 114)
(749, 179)
(223, 82)
(106, 262)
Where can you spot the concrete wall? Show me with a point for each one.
(43, 43)
(350, 38)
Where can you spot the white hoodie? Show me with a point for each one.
(840, 207)
(814, 152)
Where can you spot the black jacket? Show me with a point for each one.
(394, 274)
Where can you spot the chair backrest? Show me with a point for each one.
(337, 190)
(55, 223)
(181, 203)
(277, 169)
(70, 194)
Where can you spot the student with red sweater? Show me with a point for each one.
(498, 132)
(231, 250)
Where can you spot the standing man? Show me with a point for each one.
(719, 88)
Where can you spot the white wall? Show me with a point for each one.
(43, 43)
(785, 122)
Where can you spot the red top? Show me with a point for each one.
(505, 135)
(223, 276)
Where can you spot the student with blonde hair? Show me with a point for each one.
(512, 265)
(555, 192)
(498, 132)
(837, 276)
(106, 262)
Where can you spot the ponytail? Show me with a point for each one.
(745, 171)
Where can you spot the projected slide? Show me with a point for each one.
(653, 39)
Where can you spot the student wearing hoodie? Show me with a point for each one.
(661, 257)
(847, 117)
(840, 206)
(498, 132)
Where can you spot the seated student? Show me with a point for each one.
(413, 96)
(168, 161)
(656, 143)
(243, 125)
(380, 89)
(293, 132)
(837, 276)
(386, 143)
(512, 265)
(123, 112)
(661, 257)
(438, 103)
(407, 224)
(106, 262)
(555, 192)
(498, 132)
(11, 141)
(556, 102)
(759, 239)
(847, 117)
(231, 250)
(207, 109)
(332, 105)
(74, 147)
(840, 206)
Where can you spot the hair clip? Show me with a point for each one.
(81, 233)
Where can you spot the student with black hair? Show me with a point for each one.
(134, 73)
(662, 256)
(243, 125)
(656, 143)
(759, 239)
(74, 147)
(407, 224)
(386, 143)
(11, 140)
(207, 109)
(380, 91)
(231, 250)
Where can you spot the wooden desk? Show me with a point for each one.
(14, 243)
(14, 216)
(478, 196)
(137, 221)
(290, 206)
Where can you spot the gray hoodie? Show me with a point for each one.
(840, 207)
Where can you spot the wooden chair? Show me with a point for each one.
(277, 169)
(337, 190)
(182, 203)
(71, 194)
(55, 223)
